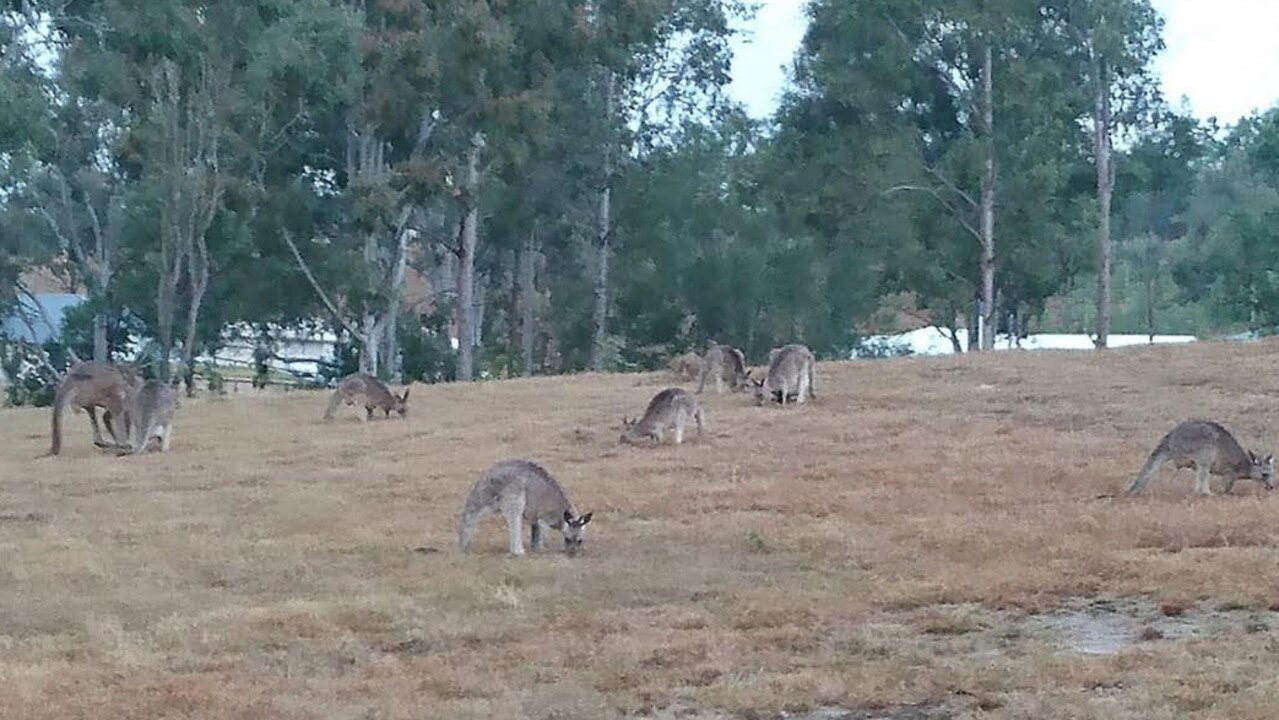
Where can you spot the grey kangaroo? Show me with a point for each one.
(371, 392)
(150, 415)
(1208, 448)
(92, 385)
(723, 363)
(670, 407)
(789, 374)
(522, 491)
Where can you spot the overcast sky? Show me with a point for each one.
(1222, 55)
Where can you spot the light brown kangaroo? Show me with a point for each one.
(672, 407)
(1209, 448)
(790, 373)
(722, 363)
(150, 415)
(91, 385)
(523, 492)
(371, 392)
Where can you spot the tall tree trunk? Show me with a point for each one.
(528, 297)
(198, 280)
(370, 331)
(988, 203)
(1105, 185)
(370, 343)
(390, 356)
(603, 222)
(105, 239)
(466, 262)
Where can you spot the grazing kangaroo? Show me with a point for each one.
(150, 415)
(373, 393)
(723, 363)
(91, 385)
(1209, 448)
(789, 374)
(522, 491)
(685, 367)
(670, 407)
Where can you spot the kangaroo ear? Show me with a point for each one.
(1252, 456)
(405, 396)
(568, 516)
(1269, 460)
(584, 519)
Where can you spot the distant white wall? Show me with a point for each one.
(934, 341)
(302, 349)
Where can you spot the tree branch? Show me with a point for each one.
(44, 318)
(944, 203)
(315, 285)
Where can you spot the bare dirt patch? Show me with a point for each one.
(895, 543)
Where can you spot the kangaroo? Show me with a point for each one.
(686, 366)
(522, 491)
(91, 385)
(723, 363)
(1209, 448)
(150, 415)
(372, 392)
(789, 374)
(672, 406)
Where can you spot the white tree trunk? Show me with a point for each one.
(988, 203)
(1105, 186)
(466, 263)
(603, 236)
(528, 298)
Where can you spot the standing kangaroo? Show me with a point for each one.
(790, 373)
(1208, 448)
(373, 393)
(150, 415)
(522, 491)
(723, 363)
(670, 407)
(91, 385)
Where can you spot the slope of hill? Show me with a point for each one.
(928, 530)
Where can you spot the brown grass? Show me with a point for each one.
(867, 550)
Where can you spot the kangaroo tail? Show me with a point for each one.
(65, 391)
(1148, 470)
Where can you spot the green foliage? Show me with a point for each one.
(1231, 258)
(28, 383)
(339, 125)
(426, 353)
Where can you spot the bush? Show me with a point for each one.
(31, 383)
(881, 348)
(425, 351)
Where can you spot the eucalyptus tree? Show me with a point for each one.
(1114, 46)
(949, 112)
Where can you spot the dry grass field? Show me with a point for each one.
(893, 542)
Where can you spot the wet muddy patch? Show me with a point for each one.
(1105, 626)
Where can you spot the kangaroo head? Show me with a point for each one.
(628, 430)
(402, 403)
(574, 529)
(1262, 469)
(761, 393)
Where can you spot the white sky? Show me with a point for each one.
(1222, 55)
